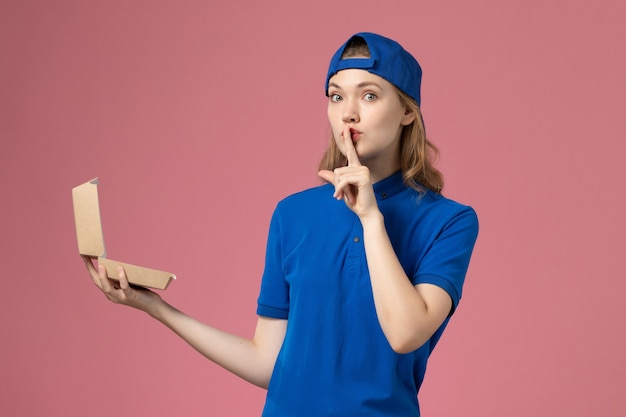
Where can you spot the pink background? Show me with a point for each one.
(198, 116)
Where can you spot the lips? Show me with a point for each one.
(354, 134)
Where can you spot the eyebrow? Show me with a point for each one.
(359, 85)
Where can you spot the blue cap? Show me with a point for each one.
(388, 60)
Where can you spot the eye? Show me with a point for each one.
(370, 96)
(335, 97)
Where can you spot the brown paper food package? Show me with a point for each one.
(91, 241)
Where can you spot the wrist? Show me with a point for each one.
(372, 220)
(156, 308)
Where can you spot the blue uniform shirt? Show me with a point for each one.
(335, 359)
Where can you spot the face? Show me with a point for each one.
(370, 106)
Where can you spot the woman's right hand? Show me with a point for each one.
(121, 292)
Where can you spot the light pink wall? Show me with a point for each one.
(199, 115)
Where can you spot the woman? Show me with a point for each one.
(358, 288)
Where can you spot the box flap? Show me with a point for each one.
(87, 218)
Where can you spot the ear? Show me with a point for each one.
(408, 118)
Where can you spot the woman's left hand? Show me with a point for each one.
(352, 183)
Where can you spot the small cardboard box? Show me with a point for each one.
(91, 240)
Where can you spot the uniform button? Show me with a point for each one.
(356, 239)
(384, 195)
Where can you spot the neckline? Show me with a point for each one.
(388, 187)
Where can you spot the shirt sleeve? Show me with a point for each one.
(446, 262)
(273, 299)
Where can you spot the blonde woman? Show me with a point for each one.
(362, 273)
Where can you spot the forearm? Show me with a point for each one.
(243, 357)
(252, 360)
(404, 315)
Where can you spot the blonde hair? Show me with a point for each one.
(417, 153)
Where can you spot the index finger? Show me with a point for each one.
(353, 158)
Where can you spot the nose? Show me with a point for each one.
(350, 113)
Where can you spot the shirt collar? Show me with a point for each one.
(389, 186)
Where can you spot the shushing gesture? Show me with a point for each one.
(352, 183)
